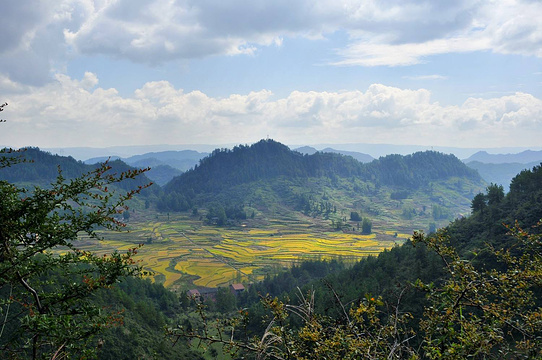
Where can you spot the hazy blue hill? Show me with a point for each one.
(525, 157)
(162, 174)
(101, 159)
(306, 150)
(165, 165)
(501, 174)
(41, 168)
(181, 160)
(361, 157)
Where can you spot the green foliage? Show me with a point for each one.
(471, 290)
(366, 226)
(486, 314)
(399, 195)
(45, 280)
(146, 309)
(354, 216)
(415, 170)
(225, 300)
(269, 161)
(473, 313)
(479, 203)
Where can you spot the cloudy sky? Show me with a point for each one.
(134, 72)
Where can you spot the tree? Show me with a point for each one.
(366, 226)
(46, 282)
(225, 300)
(495, 194)
(354, 216)
(485, 313)
(479, 203)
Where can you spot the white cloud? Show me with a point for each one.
(70, 112)
(40, 35)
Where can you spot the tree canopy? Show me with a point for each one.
(46, 282)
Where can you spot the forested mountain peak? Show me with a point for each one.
(268, 160)
(420, 167)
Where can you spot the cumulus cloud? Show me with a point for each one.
(38, 36)
(72, 112)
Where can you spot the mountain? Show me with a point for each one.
(101, 159)
(391, 277)
(361, 157)
(181, 160)
(165, 165)
(269, 159)
(267, 177)
(41, 168)
(501, 174)
(162, 174)
(525, 157)
(308, 150)
(82, 153)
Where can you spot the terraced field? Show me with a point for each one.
(183, 252)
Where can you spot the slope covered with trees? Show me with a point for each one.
(42, 168)
(269, 163)
(472, 290)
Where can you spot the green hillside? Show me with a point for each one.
(42, 168)
(268, 178)
(481, 297)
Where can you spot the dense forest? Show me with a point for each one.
(268, 161)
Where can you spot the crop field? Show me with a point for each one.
(183, 252)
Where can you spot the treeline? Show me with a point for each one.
(266, 160)
(393, 272)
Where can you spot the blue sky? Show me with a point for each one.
(104, 73)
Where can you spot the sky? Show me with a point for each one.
(103, 73)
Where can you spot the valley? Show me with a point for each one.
(184, 250)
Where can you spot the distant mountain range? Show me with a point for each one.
(267, 178)
(41, 168)
(375, 150)
(361, 157)
(165, 165)
(501, 168)
(501, 174)
(525, 157)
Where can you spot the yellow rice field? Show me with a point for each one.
(219, 256)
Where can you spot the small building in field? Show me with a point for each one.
(237, 289)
